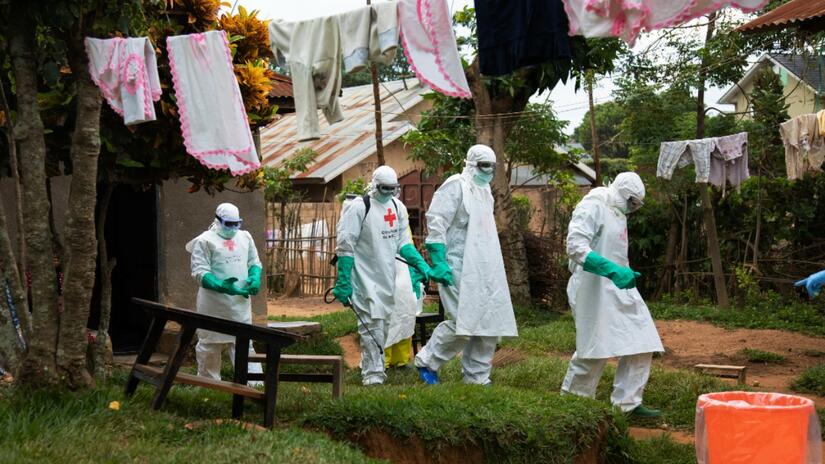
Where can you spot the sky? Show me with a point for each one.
(568, 104)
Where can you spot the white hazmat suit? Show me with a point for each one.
(373, 240)
(477, 305)
(224, 258)
(610, 322)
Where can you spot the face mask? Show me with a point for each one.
(227, 232)
(481, 179)
(382, 197)
(633, 204)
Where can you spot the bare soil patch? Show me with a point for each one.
(688, 343)
(300, 307)
(352, 350)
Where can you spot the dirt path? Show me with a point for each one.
(688, 343)
(300, 307)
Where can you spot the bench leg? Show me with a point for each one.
(171, 370)
(241, 367)
(271, 371)
(152, 336)
(338, 379)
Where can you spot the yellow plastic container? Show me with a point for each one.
(756, 428)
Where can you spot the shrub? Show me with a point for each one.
(812, 380)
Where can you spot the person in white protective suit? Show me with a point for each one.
(409, 301)
(464, 249)
(225, 263)
(367, 242)
(611, 318)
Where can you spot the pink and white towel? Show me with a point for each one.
(212, 115)
(126, 71)
(627, 18)
(429, 43)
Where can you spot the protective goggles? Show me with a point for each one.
(230, 224)
(634, 204)
(487, 167)
(388, 189)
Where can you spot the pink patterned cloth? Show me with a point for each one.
(212, 115)
(429, 43)
(126, 71)
(627, 18)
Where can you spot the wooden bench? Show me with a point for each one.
(273, 339)
(336, 377)
(730, 372)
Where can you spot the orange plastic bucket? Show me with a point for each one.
(756, 428)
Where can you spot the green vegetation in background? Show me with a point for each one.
(764, 357)
(796, 317)
(812, 380)
(335, 325)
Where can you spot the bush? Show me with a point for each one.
(524, 210)
(812, 380)
(764, 357)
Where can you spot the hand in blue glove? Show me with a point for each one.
(813, 283)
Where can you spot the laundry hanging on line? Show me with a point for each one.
(626, 19)
(717, 160)
(516, 33)
(430, 47)
(212, 114)
(804, 140)
(126, 71)
(318, 50)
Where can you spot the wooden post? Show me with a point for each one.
(707, 206)
(379, 131)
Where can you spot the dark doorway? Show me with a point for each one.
(131, 239)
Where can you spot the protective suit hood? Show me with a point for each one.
(475, 154)
(627, 185)
(383, 175)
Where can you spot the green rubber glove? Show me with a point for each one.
(417, 278)
(440, 271)
(622, 276)
(415, 260)
(253, 281)
(226, 286)
(343, 284)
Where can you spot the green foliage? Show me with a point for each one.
(556, 337)
(759, 356)
(277, 183)
(796, 317)
(524, 210)
(609, 118)
(356, 186)
(812, 380)
(769, 111)
(511, 425)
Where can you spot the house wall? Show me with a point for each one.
(181, 217)
(799, 97)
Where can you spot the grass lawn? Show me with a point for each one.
(522, 418)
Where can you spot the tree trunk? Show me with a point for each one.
(12, 345)
(18, 196)
(707, 205)
(666, 282)
(493, 132)
(379, 131)
(594, 135)
(101, 354)
(39, 367)
(79, 236)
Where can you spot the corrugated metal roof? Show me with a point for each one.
(347, 143)
(796, 13)
(281, 86)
